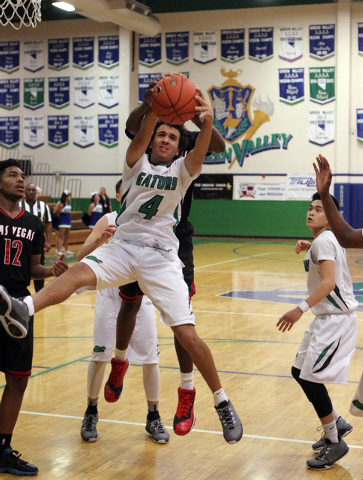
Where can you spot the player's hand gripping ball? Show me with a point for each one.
(173, 99)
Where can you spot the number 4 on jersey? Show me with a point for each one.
(150, 208)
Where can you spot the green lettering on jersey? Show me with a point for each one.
(161, 183)
(175, 183)
(156, 177)
(140, 177)
(307, 265)
(168, 183)
(146, 182)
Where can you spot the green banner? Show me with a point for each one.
(322, 84)
(33, 93)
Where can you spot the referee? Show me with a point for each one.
(41, 210)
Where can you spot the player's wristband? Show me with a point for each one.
(304, 306)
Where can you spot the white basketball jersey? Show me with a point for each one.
(341, 299)
(150, 207)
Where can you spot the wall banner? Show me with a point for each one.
(322, 85)
(291, 82)
(213, 186)
(10, 93)
(205, 46)
(33, 55)
(144, 81)
(321, 126)
(58, 53)
(258, 191)
(84, 91)
(322, 41)
(109, 51)
(108, 90)
(177, 47)
(9, 56)
(150, 50)
(233, 45)
(260, 44)
(108, 130)
(9, 132)
(300, 186)
(59, 92)
(360, 38)
(83, 52)
(33, 131)
(84, 130)
(291, 43)
(58, 131)
(33, 93)
(360, 124)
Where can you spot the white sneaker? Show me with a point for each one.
(69, 253)
(57, 252)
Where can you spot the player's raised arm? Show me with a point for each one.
(142, 139)
(347, 236)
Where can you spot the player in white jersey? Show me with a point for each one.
(143, 346)
(329, 342)
(150, 259)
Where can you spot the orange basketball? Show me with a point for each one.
(173, 100)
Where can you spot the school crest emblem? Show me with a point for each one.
(232, 103)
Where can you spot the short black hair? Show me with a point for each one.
(10, 162)
(184, 135)
(316, 196)
(118, 185)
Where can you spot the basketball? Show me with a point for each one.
(173, 99)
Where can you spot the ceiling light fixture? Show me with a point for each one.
(64, 6)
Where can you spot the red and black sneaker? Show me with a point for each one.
(114, 384)
(184, 419)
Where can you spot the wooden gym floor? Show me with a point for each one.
(253, 359)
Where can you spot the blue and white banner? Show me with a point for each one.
(10, 93)
(261, 46)
(109, 51)
(108, 130)
(291, 43)
(360, 124)
(108, 90)
(321, 126)
(322, 41)
(291, 82)
(150, 50)
(205, 46)
(59, 92)
(33, 131)
(33, 55)
(360, 38)
(9, 132)
(9, 56)
(84, 130)
(58, 131)
(58, 53)
(83, 52)
(177, 47)
(144, 81)
(233, 45)
(84, 91)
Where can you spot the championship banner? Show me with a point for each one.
(83, 52)
(33, 131)
(108, 90)
(33, 93)
(322, 41)
(84, 91)
(360, 124)
(261, 45)
(233, 45)
(205, 46)
(9, 56)
(58, 53)
(83, 130)
(150, 50)
(291, 82)
(360, 38)
(58, 131)
(33, 55)
(301, 186)
(291, 43)
(144, 81)
(10, 93)
(109, 51)
(108, 130)
(9, 132)
(177, 47)
(258, 191)
(321, 127)
(322, 85)
(213, 186)
(59, 92)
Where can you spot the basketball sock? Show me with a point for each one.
(153, 411)
(186, 380)
(120, 354)
(331, 432)
(5, 440)
(151, 379)
(92, 409)
(29, 302)
(219, 397)
(335, 413)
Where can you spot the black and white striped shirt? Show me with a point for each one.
(40, 209)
